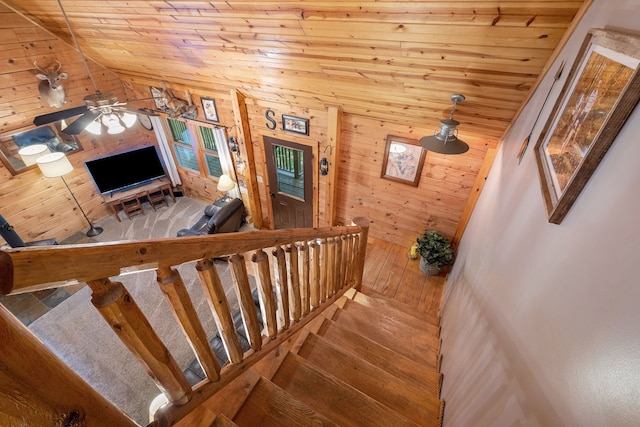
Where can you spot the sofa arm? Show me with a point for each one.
(189, 232)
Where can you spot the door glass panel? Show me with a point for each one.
(289, 164)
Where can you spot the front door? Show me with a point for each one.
(289, 170)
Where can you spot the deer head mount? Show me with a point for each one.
(177, 107)
(50, 88)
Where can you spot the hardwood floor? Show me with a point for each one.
(390, 273)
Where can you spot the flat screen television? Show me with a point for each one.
(125, 170)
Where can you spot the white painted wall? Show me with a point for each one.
(541, 322)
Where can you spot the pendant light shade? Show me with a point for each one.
(445, 140)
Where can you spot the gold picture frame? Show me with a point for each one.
(598, 96)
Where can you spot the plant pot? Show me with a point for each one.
(428, 269)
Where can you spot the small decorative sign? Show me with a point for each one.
(295, 124)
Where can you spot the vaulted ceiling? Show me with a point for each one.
(392, 60)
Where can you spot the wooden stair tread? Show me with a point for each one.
(411, 401)
(393, 316)
(332, 397)
(385, 305)
(222, 421)
(415, 345)
(432, 315)
(396, 364)
(269, 405)
(230, 399)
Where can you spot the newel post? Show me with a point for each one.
(361, 249)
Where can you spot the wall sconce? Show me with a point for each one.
(324, 163)
(233, 145)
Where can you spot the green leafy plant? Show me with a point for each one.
(435, 248)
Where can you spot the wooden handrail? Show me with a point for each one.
(43, 267)
(305, 268)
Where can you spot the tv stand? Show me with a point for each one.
(115, 200)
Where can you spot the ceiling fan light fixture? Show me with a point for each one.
(445, 139)
(95, 127)
(129, 119)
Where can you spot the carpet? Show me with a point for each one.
(79, 335)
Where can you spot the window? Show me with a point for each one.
(201, 155)
(211, 156)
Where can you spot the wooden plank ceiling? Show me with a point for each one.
(397, 61)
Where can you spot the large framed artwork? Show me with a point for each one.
(598, 96)
(403, 160)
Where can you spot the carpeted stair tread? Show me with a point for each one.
(332, 397)
(398, 365)
(411, 401)
(417, 345)
(269, 405)
(392, 307)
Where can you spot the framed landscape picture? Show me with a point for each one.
(403, 160)
(598, 96)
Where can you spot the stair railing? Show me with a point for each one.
(306, 269)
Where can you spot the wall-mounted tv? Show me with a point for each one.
(125, 170)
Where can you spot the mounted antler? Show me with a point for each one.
(50, 88)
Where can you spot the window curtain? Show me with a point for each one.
(226, 158)
(165, 151)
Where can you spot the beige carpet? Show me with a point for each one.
(77, 333)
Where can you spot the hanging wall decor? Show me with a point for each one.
(598, 96)
(403, 160)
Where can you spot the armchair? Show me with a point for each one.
(218, 218)
(13, 239)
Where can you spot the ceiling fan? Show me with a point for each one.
(103, 106)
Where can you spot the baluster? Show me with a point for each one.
(265, 290)
(175, 291)
(282, 287)
(331, 267)
(124, 316)
(214, 292)
(348, 259)
(248, 308)
(314, 286)
(294, 282)
(361, 249)
(324, 269)
(303, 264)
(339, 282)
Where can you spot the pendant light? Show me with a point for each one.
(445, 140)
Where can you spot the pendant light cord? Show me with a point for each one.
(73, 36)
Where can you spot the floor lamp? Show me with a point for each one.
(56, 165)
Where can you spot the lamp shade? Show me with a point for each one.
(30, 153)
(445, 140)
(225, 183)
(54, 164)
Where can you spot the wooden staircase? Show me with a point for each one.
(365, 361)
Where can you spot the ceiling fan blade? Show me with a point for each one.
(59, 115)
(143, 111)
(82, 122)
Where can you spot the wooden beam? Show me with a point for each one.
(241, 118)
(334, 123)
(37, 388)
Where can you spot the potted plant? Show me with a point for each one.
(435, 252)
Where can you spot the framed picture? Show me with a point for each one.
(158, 98)
(209, 108)
(598, 96)
(403, 160)
(40, 140)
(295, 124)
